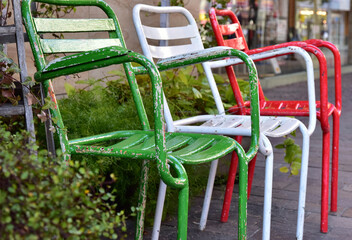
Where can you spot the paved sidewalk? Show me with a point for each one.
(285, 188)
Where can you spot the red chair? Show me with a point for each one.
(287, 108)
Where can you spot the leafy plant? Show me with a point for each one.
(4, 12)
(41, 198)
(97, 109)
(7, 81)
(175, 3)
(293, 155)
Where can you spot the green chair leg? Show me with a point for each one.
(142, 199)
(183, 213)
(242, 202)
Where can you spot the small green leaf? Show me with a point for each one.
(294, 171)
(280, 146)
(70, 90)
(289, 141)
(183, 78)
(24, 175)
(284, 169)
(219, 79)
(199, 68)
(196, 93)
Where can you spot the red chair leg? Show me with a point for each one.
(229, 186)
(335, 160)
(251, 168)
(325, 183)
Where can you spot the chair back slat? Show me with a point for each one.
(58, 25)
(171, 33)
(76, 45)
(183, 39)
(170, 51)
(234, 29)
(229, 29)
(236, 43)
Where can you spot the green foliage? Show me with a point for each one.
(293, 155)
(42, 198)
(7, 82)
(108, 106)
(47, 10)
(175, 3)
(188, 92)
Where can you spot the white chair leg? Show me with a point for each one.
(268, 188)
(303, 182)
(159, 210)
(208, 193)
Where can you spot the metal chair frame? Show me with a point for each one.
(221, 123)
(167, 149)
(292, 108)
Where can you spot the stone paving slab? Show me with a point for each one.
(285, 188)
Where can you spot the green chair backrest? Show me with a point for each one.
(37, 27)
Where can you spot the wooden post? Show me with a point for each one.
(23, 66)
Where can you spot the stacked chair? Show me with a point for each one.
(289, 108)
(170, 149)
(270, 126)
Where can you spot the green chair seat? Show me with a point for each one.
(185, 147)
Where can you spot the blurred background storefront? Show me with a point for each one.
(267, 22)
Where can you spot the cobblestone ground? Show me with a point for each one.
(285, 188)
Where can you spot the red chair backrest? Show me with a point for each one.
(239, 41)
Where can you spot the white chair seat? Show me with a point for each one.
(236, 125)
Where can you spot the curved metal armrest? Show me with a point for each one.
(220, 53)
(117, 55)
(337, 58)
(279, 52)
(323, 72)
(81, 62)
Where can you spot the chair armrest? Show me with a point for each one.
(117, 55)
(81, 62)
(279, 52)
(187, 59)
(337, 59)
(221, 53)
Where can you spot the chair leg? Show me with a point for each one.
(251, 168)
(303, 182)
(142, 199)
(159, 210)
(335, 160)
(242, 201)
(325, 183)
(230, 183)
(208, 193)
(182, 221)
(268, 189)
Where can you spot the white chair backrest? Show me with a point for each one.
(189, 31)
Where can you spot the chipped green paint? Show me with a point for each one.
(147, 144)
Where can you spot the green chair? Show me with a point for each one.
(167, 149)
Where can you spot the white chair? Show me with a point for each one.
(232, 125)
